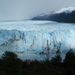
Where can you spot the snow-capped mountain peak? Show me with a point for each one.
(65, 15)
(45, 14)
(66, 10)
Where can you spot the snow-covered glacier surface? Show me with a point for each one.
(31, 38)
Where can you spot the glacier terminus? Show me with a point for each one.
(30, 39)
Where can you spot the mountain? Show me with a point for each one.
(66, 15)
(31, 38)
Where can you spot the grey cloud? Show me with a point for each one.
(24, 9)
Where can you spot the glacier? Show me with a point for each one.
(30, 38)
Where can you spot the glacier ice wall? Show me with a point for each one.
(30, 38)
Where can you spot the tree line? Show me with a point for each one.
(10, 64)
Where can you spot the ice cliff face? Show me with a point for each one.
(30, 38)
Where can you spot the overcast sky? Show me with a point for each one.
(24, 9)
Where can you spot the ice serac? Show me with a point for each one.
(31, 38)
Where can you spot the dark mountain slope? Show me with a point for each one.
(66, 15)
